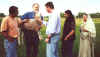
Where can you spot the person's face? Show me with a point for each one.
(66, 15)
(48, 9)
(15, 13)
(84, 18)
(36, 8)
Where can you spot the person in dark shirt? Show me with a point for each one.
(68, 36)
(31, 36)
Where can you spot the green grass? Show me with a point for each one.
(42, 46)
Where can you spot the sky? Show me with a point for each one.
(76, 6)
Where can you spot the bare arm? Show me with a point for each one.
(5, 34)
(70, 34)
(85, 30)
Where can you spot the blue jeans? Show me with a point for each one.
(52, 46)
(10, 48)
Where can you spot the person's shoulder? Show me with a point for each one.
(56, 12)
(6, 18)
(28, 12)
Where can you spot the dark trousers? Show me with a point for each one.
(32, 43)
(67, 46)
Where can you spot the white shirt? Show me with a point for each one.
(53, 25)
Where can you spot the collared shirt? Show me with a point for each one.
(53, 24)
(29, 15)
(11, 26)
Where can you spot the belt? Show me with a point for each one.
(53, 34)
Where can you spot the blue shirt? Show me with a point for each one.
(29, 15)
(53, 24)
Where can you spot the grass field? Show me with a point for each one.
(42, 46)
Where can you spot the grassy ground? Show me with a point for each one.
(42, 46)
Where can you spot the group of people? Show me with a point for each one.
(10, 30)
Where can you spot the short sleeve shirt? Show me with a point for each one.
(11, 26)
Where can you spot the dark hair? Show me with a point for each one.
(69, 13)
(50, 4)
(13, 10)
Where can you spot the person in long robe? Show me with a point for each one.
(87, 37)
(68, 36)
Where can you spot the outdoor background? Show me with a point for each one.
(42, 47)
(78, 8)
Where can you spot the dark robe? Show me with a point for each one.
(67, 45)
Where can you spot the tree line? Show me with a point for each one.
(80, 15)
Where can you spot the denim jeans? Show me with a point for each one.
(52, 46)
(10, 48)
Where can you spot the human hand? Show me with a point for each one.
(47, 40)
(66, 38)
